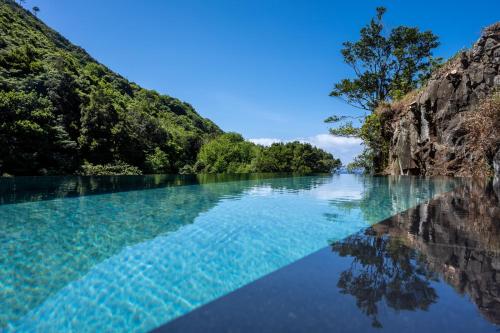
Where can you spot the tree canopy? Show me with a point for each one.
(387, 65)
(232, 154)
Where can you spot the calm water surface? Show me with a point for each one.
(131, 254)
(433, 268)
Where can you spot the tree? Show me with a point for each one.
(99, 115)
(384, 272)
(295, 157)
(36, 10)
(26, 132)
(157, 162)
(228, 153)
(386, 67)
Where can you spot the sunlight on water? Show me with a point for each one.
(133, 260)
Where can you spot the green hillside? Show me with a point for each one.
(62, 112)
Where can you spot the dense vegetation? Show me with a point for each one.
(387, 66)
(61, 112)
(231, 153)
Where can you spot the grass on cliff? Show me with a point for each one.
(483, 127)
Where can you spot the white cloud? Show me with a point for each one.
(265, 141)
(341, 147)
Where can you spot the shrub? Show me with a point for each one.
(117, 169)
(483, 126)
(157, 162)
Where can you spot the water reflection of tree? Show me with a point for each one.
(384, 196)
(21, 189)
(384, 271)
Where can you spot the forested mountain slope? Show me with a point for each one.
(62, 112)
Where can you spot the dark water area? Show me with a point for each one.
(432, 268)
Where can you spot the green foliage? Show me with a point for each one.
(99, 114)
(187, 170)
(363, 161)
(28, 127)
(228, 152)
(335, 119)
(158, 162)
(347, 129)
(375, 155)
(232, 154)
(387, 66)
(59, 107)
(119, 168)
(295, 157)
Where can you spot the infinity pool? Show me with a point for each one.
(132, 258)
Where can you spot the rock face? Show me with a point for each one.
(452, 125)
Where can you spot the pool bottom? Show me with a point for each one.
(432, 268)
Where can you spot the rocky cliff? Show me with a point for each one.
(451, 126)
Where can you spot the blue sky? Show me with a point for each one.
(260, 68)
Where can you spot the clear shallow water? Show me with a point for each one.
(131, 261)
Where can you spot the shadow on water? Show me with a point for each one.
(45, 243)
(432, 268)
(454, 238)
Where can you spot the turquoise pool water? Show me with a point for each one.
(131, 261)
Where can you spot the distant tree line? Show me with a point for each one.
(230, 153)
